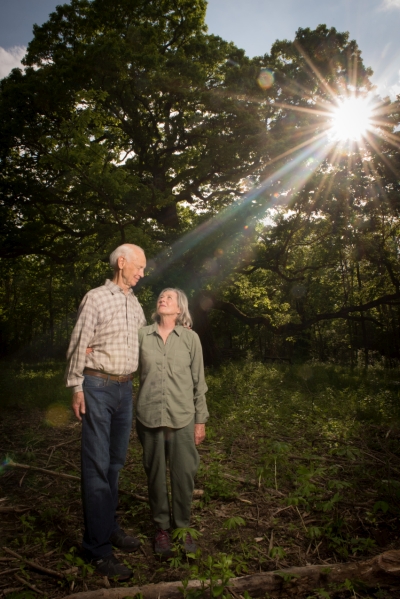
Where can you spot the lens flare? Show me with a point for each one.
(351, 120)
(4, 465)
(265, 79)
(57, 415)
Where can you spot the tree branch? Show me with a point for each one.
(292, 327)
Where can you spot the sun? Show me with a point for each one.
(351, 120)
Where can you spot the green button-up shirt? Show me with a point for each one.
(172, 385)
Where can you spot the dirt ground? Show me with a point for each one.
(41, 517)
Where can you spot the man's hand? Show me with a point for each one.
(199, 433)
(78, 404)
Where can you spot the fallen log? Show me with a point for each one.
(382, 570)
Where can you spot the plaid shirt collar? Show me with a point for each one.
(113, 288)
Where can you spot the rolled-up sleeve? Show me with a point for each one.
(199, 382)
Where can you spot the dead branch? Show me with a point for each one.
(250, 481)
(66, 442)
(28, 584)
(7, 559)
(383, 569)
(14, 509)
(34, 565)
(9, 590)
(37, 469)
(143, 499)
(240, 479)
(10, 570)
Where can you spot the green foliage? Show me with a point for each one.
(213, 572)
(131, 123)
(38, 385)
(215, 485)
(321, 594)
(381, 505)
(277, 553)
(276, 456)
(336, 492)
(75, 560)
(179, 534)
(234, 522)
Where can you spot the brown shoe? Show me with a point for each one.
(162, 543)
(189, 546)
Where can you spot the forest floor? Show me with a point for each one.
(301, 466)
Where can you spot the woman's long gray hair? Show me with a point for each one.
(184, 317)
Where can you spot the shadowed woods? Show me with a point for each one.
(299, 470)
(131, 123)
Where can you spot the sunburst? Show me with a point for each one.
(351, 119)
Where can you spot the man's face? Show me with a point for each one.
(133, 268)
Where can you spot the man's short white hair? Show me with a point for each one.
(127, 250)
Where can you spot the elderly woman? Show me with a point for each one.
(171, 414)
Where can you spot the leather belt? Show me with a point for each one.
(123, 378)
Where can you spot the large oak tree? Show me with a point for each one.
(131, 123)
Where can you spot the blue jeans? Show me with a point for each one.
(106, 427)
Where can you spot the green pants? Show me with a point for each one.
(177, 447)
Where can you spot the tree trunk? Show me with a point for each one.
(382, 570)
(363, 327)
(200, 308)
(51, 310)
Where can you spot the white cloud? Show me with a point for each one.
(385, 89)
(388, 4)
(394, 91)
(10, 59)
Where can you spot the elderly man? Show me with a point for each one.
(108, 321)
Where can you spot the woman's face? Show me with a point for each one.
(167, 304)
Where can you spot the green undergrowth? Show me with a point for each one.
(322, 440)
(33, 385)
(252, 392)
(301, 465)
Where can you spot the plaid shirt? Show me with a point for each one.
(108, 321)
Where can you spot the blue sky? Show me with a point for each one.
(252, 25)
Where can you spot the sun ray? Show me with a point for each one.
(385, 159)
(341, 155)
(314, 69)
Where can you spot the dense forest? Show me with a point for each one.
(130, 123)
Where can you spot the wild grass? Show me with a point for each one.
(33, 385)
(300, 465)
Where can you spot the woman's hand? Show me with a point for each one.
(199, 433)
(89, 350)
